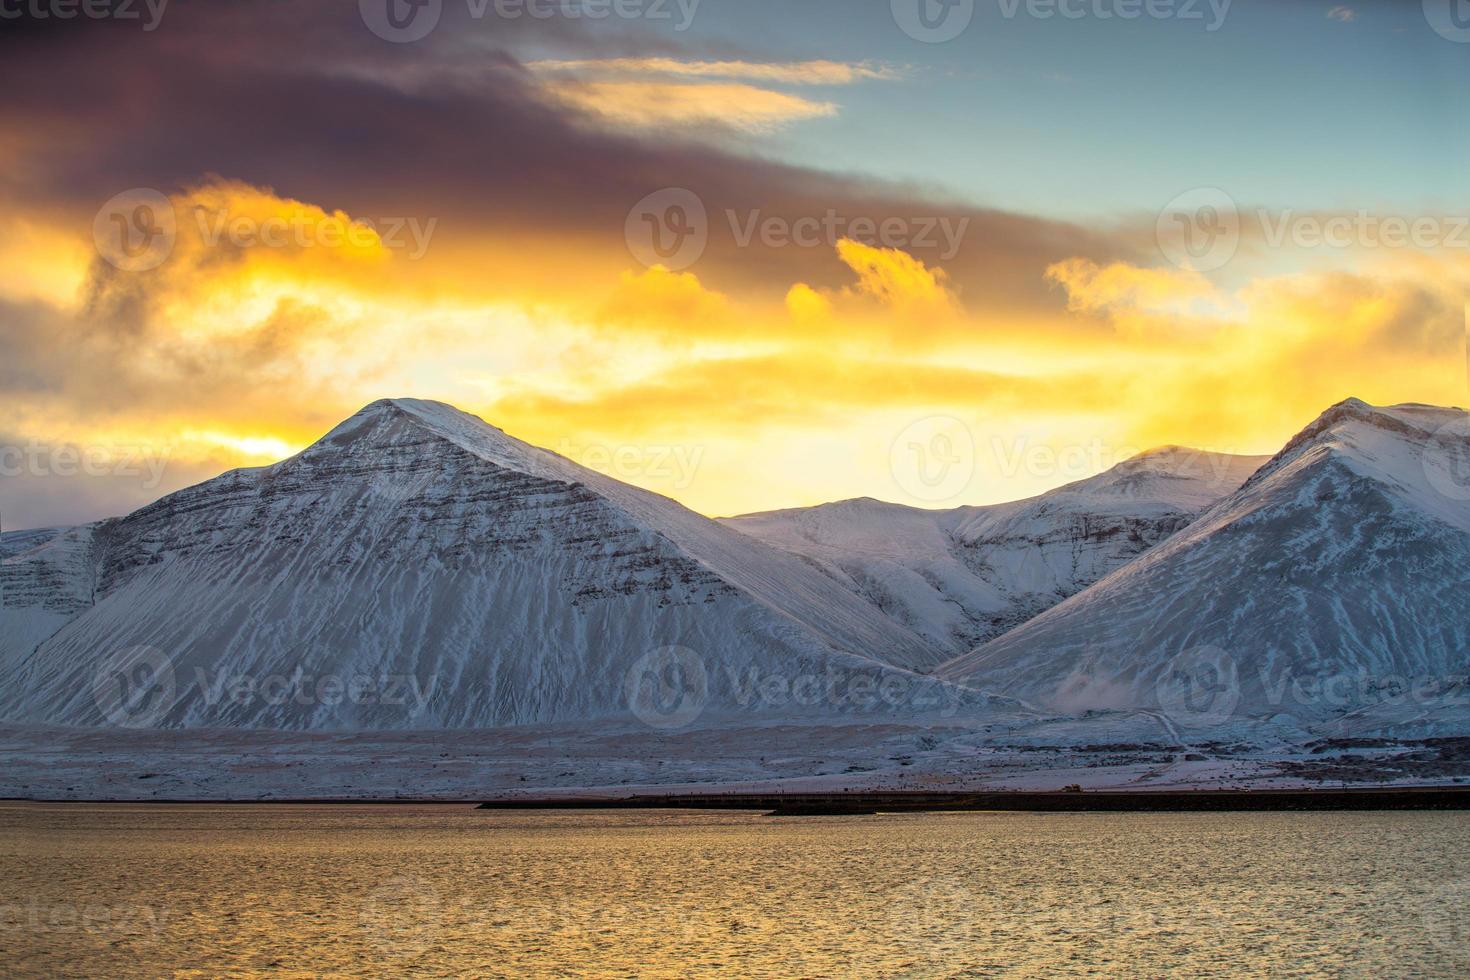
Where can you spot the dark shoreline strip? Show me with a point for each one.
(815, 804)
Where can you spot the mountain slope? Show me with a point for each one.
(961, 577)
(490, 582)
(1332, 580)
(42, 590)
(15, 542)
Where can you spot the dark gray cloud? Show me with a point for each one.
(303, 99)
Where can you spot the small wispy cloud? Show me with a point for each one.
(656, 92)
(655, 105)
(1345, 15)
(780, 73)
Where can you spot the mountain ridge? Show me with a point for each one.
(1339, 558)
(416, 540)
(971, 573)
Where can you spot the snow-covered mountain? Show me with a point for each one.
(961, 577)
(419, 569)
(1335, 580)
(488, 582)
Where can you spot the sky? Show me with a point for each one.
(748, 254)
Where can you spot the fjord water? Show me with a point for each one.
(121, 891)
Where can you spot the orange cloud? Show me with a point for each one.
(675, 301)
(230, 352)
(894, 277)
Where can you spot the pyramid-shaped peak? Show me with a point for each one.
(1353, 427)
(392, 421)
(1414, 414)
(422, 409)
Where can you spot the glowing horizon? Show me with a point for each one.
(717, 290)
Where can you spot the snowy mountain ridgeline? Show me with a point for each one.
(418, 569)
(457, 577)
(961, 577)
(1335, 584)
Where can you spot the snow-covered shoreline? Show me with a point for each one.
(572, 763)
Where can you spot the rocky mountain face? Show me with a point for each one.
(962, 577)
(51, 583)
(414, 547)
(1336, 580)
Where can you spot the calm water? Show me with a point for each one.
(121, 891)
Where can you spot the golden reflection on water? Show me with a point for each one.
(122, 891)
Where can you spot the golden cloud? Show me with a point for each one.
(653, 105)
(237, 349)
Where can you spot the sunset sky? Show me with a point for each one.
(894, 231)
